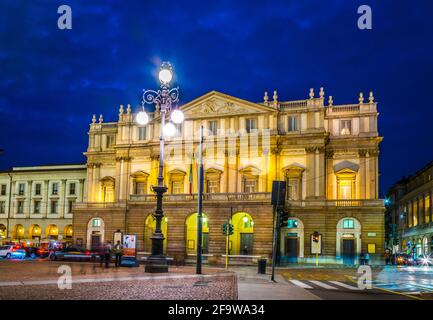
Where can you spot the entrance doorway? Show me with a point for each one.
(205, 246)
(348, 251)
(246, 243)
(291, 249)
(95, 242)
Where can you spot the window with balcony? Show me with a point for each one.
(177, 179)
(250, 185)
(212, 180)
(140, 187)
(293, 174)
(21, 189)
(72, 188)
(213, 127)
(250, 179)
(38, 187)
(345, 127)
(139, 181)
(55, 189)
(107, 189)
(250, 125)
(293, 124)
(346, 179)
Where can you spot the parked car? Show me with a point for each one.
(73, 253)
(36, 252)
(424, 260)
(11, 251)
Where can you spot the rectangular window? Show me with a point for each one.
(54, 205)
(293, 189)
(21, 189)
(142, 133)
(3, 190)
(344, 189)
(345, 127)
(177, 187)
(20, 206)
(250, 185)
(70, 205)
(55, 188)
(72, 188)
(96, 222)
(2, 206)
(409, 215)
(348, 224)
(213, 186)
(427, 209)
(371, 248)
(293, 123)
(250, 125)
(140, 187)
(38, 189)
(110, 141)
(213, 127)
(37, 206)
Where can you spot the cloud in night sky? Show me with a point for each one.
(52, 81)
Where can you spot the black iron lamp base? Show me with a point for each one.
(156, 265)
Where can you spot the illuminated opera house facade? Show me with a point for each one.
(327, 154)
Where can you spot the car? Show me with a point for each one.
(73, 253)
(424, 260)
(36, 252)
(11, 251)
(404, 259)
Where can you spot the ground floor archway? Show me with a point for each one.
(3, 231)
(348, 240)
(242, 240)
(95, 233)
(68, 232)
(149, 230)
(291, 241)
(18, 232)
(52, 232)
(35, 231)
(191, 234)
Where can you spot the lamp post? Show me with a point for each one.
(164, 99)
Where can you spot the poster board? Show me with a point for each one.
(129, 245)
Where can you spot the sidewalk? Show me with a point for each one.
(254, 286)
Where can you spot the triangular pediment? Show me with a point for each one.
(217, 104)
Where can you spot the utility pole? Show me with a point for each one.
(274, 244)
(200, 205)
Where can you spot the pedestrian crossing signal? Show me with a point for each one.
(316, 236)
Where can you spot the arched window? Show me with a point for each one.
(149, 230)
(52, 232)
(2, 231)
(191, 233)
(241, 242)
(35, 231)
(18, 232)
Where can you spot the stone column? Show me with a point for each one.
(90, 182)
(47, 200)
(30, 182)
(362, 185)
(367, 175)
(321, 173)
(81, 190)
(63, 201)
(310, 172)
(330, 187)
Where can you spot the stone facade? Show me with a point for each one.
(410, 210)
(327, 154)
(36, 202)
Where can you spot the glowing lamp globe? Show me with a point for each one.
(177, 116)
(169, 130)
(165, 75)
(142, 118)
(245, 219)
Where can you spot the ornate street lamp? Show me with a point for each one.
(164, 99)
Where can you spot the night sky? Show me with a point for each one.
(52, 81)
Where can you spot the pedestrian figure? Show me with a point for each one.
(367, 258)
(101, 254)
(361, 258)
(107, 254)
(118, 252)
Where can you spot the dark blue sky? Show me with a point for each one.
(52, 81)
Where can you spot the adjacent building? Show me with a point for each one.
(328, 155)
(36, 202)
(409, 212)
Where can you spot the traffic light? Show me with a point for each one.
(224, 228)
(316, 236)
(231, 229)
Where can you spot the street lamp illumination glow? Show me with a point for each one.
(169, 130)
(165, 75)
(142, 118)
(177, 116)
